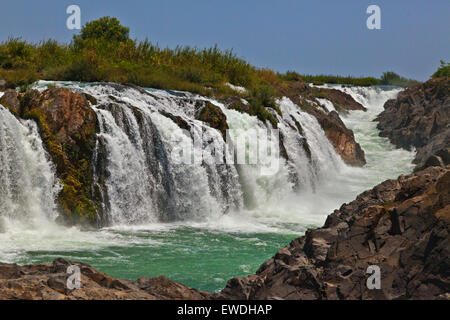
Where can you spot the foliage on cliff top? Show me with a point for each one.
(443, 70)
(387, 78)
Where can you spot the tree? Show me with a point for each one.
(389, 78)
(105, 28)
(443, 71)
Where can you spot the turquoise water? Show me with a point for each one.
(198, 258)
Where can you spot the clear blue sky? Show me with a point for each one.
(309, 36)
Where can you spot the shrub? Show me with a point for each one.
(443, 70)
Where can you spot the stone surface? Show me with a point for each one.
(420, 118)
(342, 101)
(10, 100)
(342, 139)
(49, 282)
(401, 225)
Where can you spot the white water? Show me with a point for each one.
(146, 191)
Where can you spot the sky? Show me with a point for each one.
(308, 36)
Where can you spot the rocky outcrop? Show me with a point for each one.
(342, 139)
(49, 282)
(68, 126)
(342, 101)
(401, 226)
(213, 116)
(10, 100)
(420, 118)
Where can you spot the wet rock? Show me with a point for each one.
(420, 118)
(342, 101)
(10, 100)
(213, 116)
(342, 139)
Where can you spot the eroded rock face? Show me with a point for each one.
(342, 101)
(49, 282)
(420, 118)
(401, 225)
(342, 139)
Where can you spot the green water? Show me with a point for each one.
(198, 258)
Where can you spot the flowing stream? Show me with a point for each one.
(199, 223)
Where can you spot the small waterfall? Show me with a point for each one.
(28, 187)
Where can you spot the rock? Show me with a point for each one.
(420, 118)
(10, 100)
(213, 116)
(401, 225)
(49, 282)
(342, 101)
(342, 139)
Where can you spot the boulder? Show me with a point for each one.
(10, 100)
(342, 139)
(419, 118)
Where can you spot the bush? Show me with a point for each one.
(106, 28)
(443, 70)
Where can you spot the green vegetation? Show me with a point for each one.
(387, 78)
(322, 79)
(443, 70)
(393, 79)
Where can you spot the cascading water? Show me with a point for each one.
(28, 187)
(185, 220)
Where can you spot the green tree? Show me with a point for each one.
(443, 70)
(105, 28)
(389, 78)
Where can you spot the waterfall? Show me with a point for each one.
(142, 129)
(28, 187)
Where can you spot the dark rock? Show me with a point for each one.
(420, 118)
(213, 116)
(401, 225)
